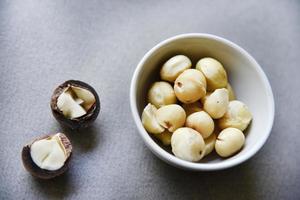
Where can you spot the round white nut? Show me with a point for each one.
(74, 102)
(210, 143)
(174, 66)
(149, 120)
(164, 137)
(231, 94)
(216, 103)
(171, 117)
(201, 122)
(188, 144)
(229, 141)
(192, 107)
(190, 86)
(237, 116)
(214, 73)
(161, 93)
(49, 153)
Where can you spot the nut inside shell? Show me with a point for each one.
(75, 104)
(42, 150)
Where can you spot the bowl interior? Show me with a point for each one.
(246, 77)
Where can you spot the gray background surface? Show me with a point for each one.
(43, 43)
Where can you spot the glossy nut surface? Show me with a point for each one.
(161, 93)
(190, 86)
(237, 115)
(173, 67)
(229, 141)
(171, 117)
(188, 144)
(214, 73)
(201, 122)
(216, 103)
(149, 120)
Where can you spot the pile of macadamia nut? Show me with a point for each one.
(195, 111)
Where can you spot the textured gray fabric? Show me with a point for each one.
(43, 43)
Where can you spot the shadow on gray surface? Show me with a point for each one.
(234, 183)
(57, 188)
(86, 139)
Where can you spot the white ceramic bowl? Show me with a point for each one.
(245, 75)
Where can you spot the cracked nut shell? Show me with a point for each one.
(82, 121)
(38, 172)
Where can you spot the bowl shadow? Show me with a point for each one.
(233, 183)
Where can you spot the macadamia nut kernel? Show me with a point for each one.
(188, 144)
(75, 102)
(216, 103)
(161, 93)
(229, 141)
(171, 117)
(201, 122)
(237, 116)
(214, 73)
(49, 153)
(190, 86)
(149, 120)
(174, 66)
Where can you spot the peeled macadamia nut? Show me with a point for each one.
(216, 103)
(48, 156)
(214, 73)
(210, 143)
(149, 120)
(161, 93)
(192, 107)
(75, 104)
(49, 153)
(171, 117)
(190, 86)
(188, 144)
(201, 122)
(164, 137)
(229, 141)
(231, 94)
(237, 116)
(174, 66)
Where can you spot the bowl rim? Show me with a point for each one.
(171, 159)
